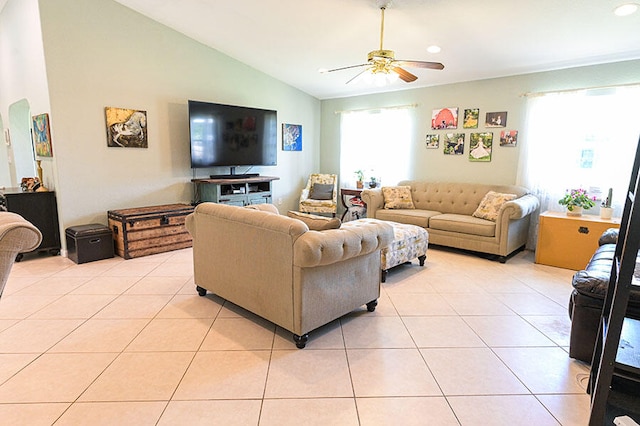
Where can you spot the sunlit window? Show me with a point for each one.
(376, 142)
(584, 139)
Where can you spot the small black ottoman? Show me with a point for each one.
(86, 243)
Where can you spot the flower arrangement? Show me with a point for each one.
(577, 198)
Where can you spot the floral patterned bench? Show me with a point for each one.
(409, 242)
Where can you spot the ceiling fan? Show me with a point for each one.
(384, 62)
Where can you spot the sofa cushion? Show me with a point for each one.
(397, 197)
(316, 222)
(463, 224)
(321, 191)
(408, 216)
(491, 204)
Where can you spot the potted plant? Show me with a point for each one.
(373, 182)
(606, 211)
(359, 178)
(576, 200)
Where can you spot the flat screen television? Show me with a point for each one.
(229, 136)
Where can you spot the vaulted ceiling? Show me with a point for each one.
(292, 39)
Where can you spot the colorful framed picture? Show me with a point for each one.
(42, 135)
(480, 145)
(126, 128)
(454, 143)
(432, 141)
(508, 138)
(470, 119)
(291, 137)
(496, 119)
(444, 118)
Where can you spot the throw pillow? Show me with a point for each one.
(397, 197)
(321, 191)
(491, 204)
(315, 222)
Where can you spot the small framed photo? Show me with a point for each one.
(291, 137)
(432, 141)
(470, 120)
(444, 118)
(453, 144)
(480, 145)
(42, 135)
(508, 138)
(496, 119)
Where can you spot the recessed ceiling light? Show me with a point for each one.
(626, 9)
(433, 49)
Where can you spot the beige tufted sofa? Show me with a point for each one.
(17, 235)
(445, 209)
(275, 267)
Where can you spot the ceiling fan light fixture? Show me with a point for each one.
(626, 9)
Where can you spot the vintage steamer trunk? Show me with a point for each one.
(148, 230)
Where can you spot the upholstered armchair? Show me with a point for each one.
(17, 235)
(320, 195)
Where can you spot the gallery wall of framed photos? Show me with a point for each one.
(474, 133)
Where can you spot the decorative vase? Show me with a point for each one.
(359, 184)
(577, 211)
(606, 213)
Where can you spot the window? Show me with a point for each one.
(583, 139)
(376, 142)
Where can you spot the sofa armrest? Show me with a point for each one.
(374, 199)
(519, 208)
(610, 236)
(353, 239)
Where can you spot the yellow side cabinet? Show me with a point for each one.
(569, 241)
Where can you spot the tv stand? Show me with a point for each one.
(238, 190)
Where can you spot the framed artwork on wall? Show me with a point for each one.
(453, 144)
(42, 135)
(508, 138)
(480, 145)
(444, 118)
(432, 141)
(126, 128)
(496, 119)
(291, 137)
(470, 120)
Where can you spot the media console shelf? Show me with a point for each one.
(235, 191)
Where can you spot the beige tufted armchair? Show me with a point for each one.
(310, 203)
(17, 235)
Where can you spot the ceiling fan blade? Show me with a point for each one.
(404, 74)
(355, 77)
(421, 64)
(344, 68)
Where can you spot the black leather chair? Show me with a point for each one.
(587, 298)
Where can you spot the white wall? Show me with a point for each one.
(100, 54)
(500, 94)
(22, 76)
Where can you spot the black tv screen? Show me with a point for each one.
(229, 135)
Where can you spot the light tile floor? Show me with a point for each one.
(460, 341)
